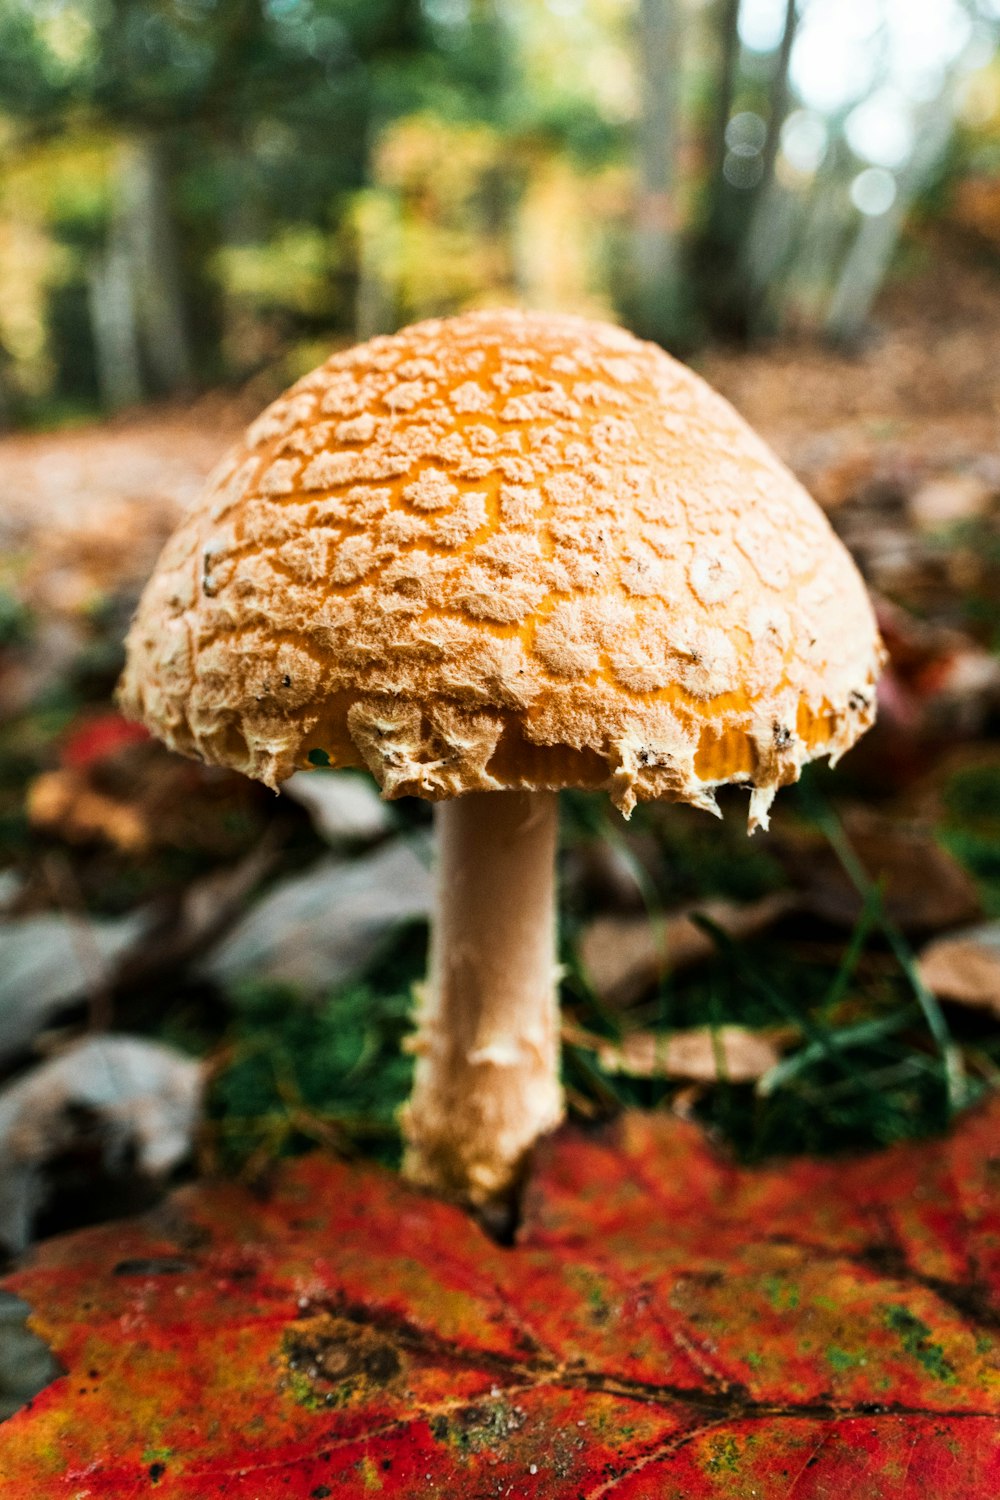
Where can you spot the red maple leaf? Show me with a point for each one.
(668, 1327)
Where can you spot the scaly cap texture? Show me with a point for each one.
(507, 550)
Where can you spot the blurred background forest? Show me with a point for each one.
(198, 200)
(194, 191)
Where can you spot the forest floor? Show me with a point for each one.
(834, 985)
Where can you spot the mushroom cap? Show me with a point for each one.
(507, 550)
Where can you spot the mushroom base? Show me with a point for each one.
(486, 1084)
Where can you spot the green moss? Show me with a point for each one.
(972, 795)
(484, 1426)
(915, 1337)
(157, 1455)
(304, 1393)
(843, 1359)
(724, 1456)
(370, 1476)
(970, 829)
(333, 1071)
(782, 1295)
(16, 621)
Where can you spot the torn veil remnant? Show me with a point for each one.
(504, 552)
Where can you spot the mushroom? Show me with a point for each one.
(490, 557)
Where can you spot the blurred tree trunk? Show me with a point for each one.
(717, 234)
(777, 104)
(730, 257)
(241, 222)
(152, 244)
(657, 261)
(764, 252)
(134, 291)
(799, 289)
(876, 239)
(113, 322)
(725, 24)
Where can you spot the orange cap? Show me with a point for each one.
(507, 550)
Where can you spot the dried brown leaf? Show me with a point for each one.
(948, 499)
(965, 967)
(624, 956)
(62, 803)
(924, 889)
(702, 1054)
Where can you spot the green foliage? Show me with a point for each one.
(875, 1061)
(696, 857)
(892, 1093)
(978, 606)
(864, 1074)
(298, 1073)
(271, 117)
(16, 623)
(971, 827)
(972, 797)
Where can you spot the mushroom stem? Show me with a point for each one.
(486, 1084)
